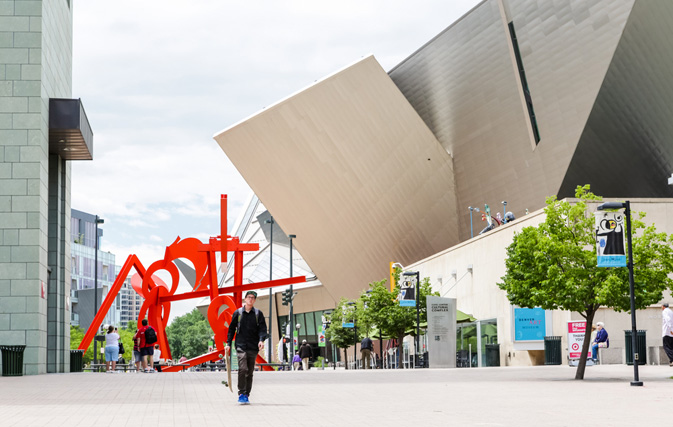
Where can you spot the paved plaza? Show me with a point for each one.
(527, 396)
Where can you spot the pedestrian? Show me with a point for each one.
(157, 357)
(137, 357)
(296, 362)
(366, 347)
(111, 350)
(601, 340)
(148, 337)
(667, 331)
(249, 326)
(305, 353)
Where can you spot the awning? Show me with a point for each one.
(70, 135)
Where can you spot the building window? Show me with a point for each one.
(524, 84)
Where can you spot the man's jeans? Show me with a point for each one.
(246, 367)
(594, 351)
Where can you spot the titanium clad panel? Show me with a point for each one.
(465, 86)
(350, 168)
(626, 149)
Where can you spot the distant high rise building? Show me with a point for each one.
(131, 302)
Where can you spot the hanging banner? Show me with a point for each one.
(296, 339)
(321, 337)
(407, 295)
(610, 239)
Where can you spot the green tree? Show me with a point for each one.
(188, 335)
(553, 265)
(76, 337)
(338, 335)
(384, 310)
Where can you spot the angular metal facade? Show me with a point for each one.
(595, 73)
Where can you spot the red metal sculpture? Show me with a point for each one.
(158, 295)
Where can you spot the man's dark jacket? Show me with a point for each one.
(305, 351)
(250, 330)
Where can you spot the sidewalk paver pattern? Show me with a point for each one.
(508, 396)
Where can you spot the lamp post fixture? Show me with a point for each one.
(355, 339)
(269, 351)
(627, 212)
(471, 229)
(504, 209)
(95, 269)
(290, 318)
(298, 326)
(327, 325)
(95, 283)
(418, 310)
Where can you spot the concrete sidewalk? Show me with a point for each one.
(530, 396)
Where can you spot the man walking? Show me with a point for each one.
(249, 326)
(148, 337)
(305, 354)
(667, 331)
(366, 347)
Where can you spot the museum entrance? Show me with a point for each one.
(477, 344)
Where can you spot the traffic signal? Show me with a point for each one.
(483, 217)
(287, 297)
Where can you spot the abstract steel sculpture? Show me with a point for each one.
(158, 295)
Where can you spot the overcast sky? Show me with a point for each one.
(159, 78)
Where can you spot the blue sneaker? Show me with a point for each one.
(242, 399)
(247, 401)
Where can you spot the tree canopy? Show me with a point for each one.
(553, 265)
(188, 335)
(377, 311)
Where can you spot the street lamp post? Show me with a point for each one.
(471, 229)
(418, 311)
(95, 269)
(95, 280)
(355, 339)
(328, 323)
(270, 221)
(627, 212)
(290, 318)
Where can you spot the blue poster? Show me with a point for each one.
(529, 324)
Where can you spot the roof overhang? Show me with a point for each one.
(70, 135)
(349, 167)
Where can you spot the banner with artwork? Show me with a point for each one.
(610, 239)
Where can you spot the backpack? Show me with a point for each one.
(150, 335)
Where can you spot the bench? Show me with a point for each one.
(611, 356)
(656, 355)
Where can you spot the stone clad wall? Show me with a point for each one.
(35, 64)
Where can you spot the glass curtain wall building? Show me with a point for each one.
(83, 256)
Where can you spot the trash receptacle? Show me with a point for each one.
(552, 350)
(492, 354)
(12, 360)
(76, 357)
(641, 347)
